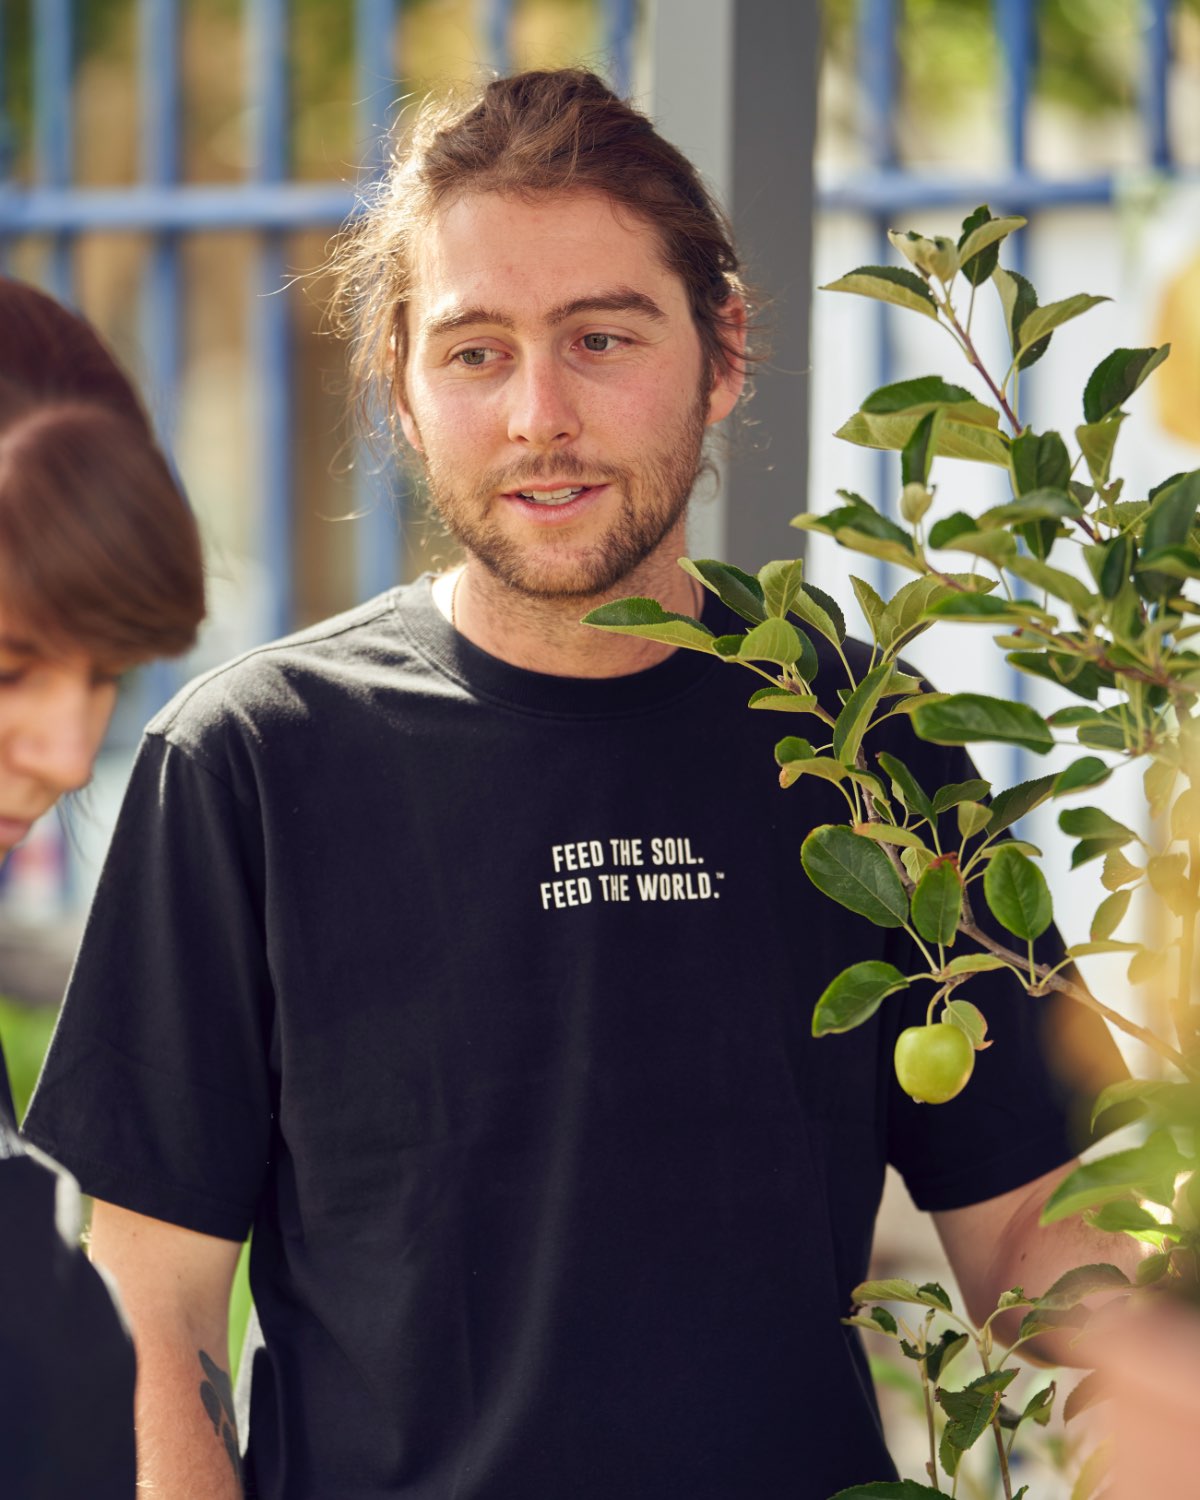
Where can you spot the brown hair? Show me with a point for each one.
(98, 549)
(537, 132)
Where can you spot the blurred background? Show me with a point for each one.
(175, 168)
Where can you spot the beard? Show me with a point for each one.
(652, 498)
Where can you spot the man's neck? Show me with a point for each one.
(544, 634)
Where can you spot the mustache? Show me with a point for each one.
(564, 466)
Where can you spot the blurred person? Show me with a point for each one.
(465, 954)
(100, 569)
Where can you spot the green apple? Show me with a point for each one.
(934, 1062)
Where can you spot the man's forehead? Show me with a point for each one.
(547, 255)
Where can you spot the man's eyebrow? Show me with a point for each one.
(17, 646)
(622, 299)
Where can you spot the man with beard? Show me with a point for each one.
(472, 962)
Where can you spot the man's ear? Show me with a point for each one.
(730, 373)
(411, 431)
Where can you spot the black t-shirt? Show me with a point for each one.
(485, 997)
(66, 1363)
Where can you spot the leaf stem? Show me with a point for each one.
(1047, 979)
(969, 349)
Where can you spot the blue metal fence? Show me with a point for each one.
(270, 202)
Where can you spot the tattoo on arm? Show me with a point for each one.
(216, 1395)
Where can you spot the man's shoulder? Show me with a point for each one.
(287, 680)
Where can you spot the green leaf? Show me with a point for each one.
(888, 284)
(1039, 461)
(1116, 378)
(824, 767)
(1097, 441)
(1062, 585)
(1011, 805)
(1116, 565)
(969, 1019)
(1088, 771)
(855, 995)
(960, 791)
(939, 1356)
(906, 786)
(855, 716)
(1076, 1285)
(934, 1294)
(964, 718)
(924, 394)
(906, 614)
(888, 1489)
(780, 583)
(970, 1411)
(986, 607)
(1017, 894)
(783, 701)
(647, 618)
(870, 603)
(735, 589)
(1094, 823)
(1019, 301)
(829, 604)
(1109, 915)
(1118, 871)
(1044, 320)
(1037, 505)
(950, 527)
(1123, 1216)
(805, 606)
(1146, 1171)
(956, 438)
(916, 457)
(1168, 524)
(937, 902)
(890, 833)
(891, 1289)
(979, 246)
(974, 963)
(777, 641)
(856, 873)
(972, 818)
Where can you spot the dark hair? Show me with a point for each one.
(533, 133)
(99, 551)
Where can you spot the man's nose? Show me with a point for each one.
(58, 743)
(543, 412)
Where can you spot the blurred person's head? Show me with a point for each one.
(100, 557)
(533, 135)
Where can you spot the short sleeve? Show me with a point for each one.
(156, 1092)
(1026, 1108)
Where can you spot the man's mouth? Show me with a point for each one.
(552, 497)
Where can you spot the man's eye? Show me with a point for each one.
(600, 343)
(472, 358)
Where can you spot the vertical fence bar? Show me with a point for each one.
(878, 70)
(53, 123)
(1015, 25)
(378, 490)
(161, 303)
(497, 26)
(1155, 84)
(159, 88)
(269, 93)
(620, 20)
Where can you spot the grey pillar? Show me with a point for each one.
(734, 85)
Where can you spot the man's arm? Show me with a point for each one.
(998, 1244)
(175, 1287)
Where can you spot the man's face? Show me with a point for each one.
(556, 389)
(53, 714)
